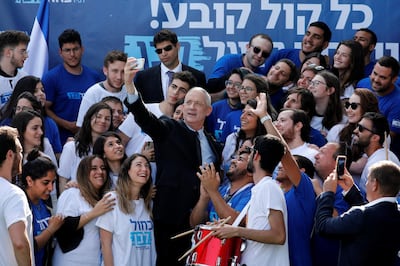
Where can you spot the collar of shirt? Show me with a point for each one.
(383, 199)
(200, 131)
(165, 78)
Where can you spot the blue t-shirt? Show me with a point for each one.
(40, 220)
(217, 119)
(232, 124)
(301, 207)
(66, 90)
(51, 132)
(368, 68)
(292, 54)
(227, 63)
(317, 138)
(237, 201)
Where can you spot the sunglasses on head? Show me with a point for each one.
(315, 67)
(166, 48)
(361, 128)
(353, 106)
(257, 50)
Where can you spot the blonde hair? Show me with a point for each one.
(124, 184)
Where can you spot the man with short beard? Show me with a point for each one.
(385, 83)
(13, 53)
(367, 38)
(316, 39)
(66, 83)
(370, 134)
(266, 226)
(294, 126)
(15, 216)
(229, 198)
(281, 76)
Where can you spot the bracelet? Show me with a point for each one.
(51, 233)
(265, 118)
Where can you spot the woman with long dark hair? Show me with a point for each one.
(348, 66)
(97, 120)
(33, 85)
(109, 146)
(37, 179)
(360, 102)
(325, 88)
(250, 128)
(31, 134)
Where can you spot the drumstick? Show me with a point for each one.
(386, 148)
(224, 221)
(183, 234)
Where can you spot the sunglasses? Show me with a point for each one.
(166, 48)
(353, 106)
(315, 67)
(257, 50)
(361, 128)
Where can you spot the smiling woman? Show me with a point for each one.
(97, 121)
(38, 176)
(31, 134)
(121, 229)
(78, 238)
(109, 146)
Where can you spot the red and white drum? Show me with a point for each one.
(214, 251)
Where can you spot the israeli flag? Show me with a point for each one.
(38, 61)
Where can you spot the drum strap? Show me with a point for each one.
(241, 215)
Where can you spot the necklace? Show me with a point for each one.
(231, 105)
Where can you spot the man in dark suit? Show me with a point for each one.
(370, 233)
(180, 148)
(153, 83)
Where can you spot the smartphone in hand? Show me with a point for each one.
(340, 165)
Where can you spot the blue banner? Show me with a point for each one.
(206, 29)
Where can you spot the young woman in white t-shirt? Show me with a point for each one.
(78, 240)
(127, 232)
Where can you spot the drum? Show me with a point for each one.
(214, 251)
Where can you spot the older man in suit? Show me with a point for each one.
(369, 233)
(153, 83)
(180, 148)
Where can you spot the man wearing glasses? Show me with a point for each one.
(13, 53)
(316, 39)
(153, 83)
(370, 134)
(257, 51)
(66, 84)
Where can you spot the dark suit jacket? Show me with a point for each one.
(148, 82)
(369, 234)
(178, 159)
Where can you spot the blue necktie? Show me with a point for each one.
(170, 74)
